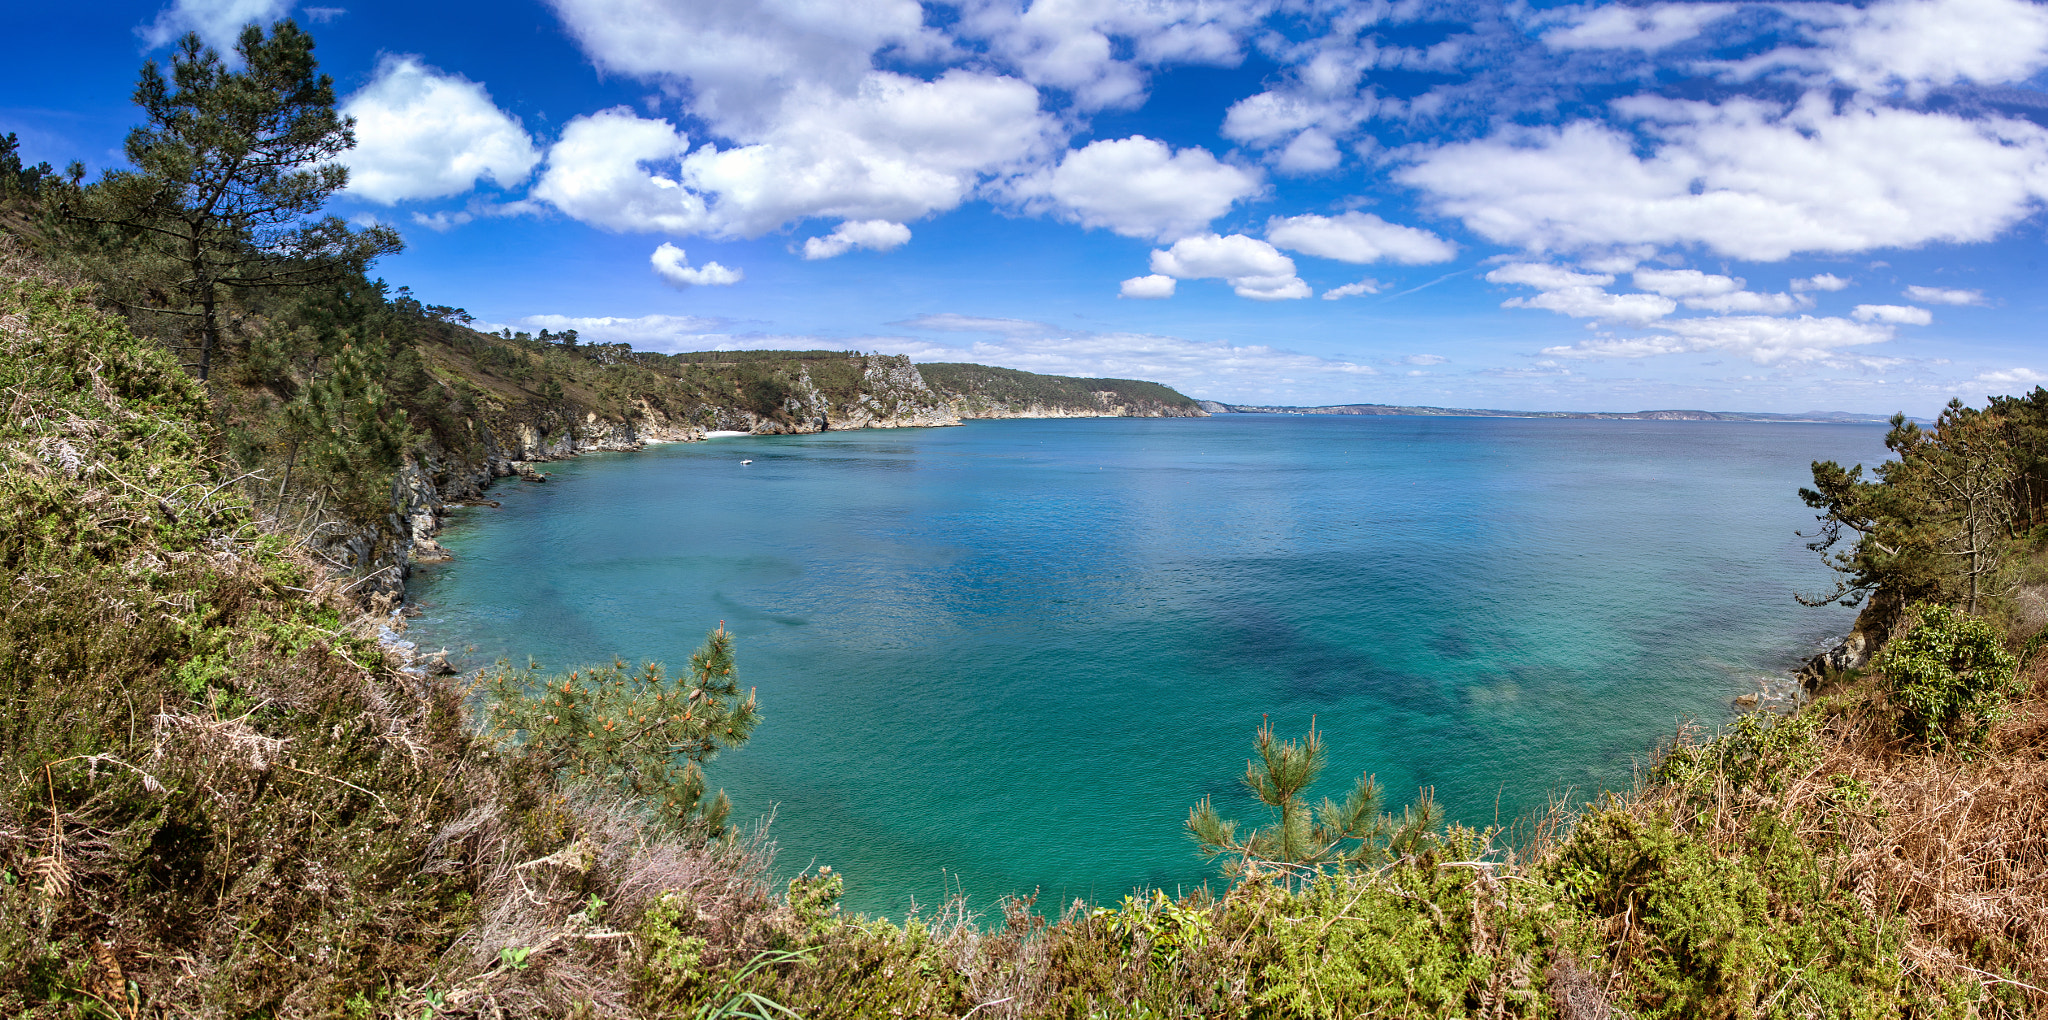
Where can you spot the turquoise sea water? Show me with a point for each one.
(1008, 656)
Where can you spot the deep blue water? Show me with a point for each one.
(1008, 656)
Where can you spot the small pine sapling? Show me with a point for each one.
(1304, 838)
(642, 733)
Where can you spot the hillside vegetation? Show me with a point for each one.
(979, 389)
(228, 789)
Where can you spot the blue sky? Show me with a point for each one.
(1776, 207)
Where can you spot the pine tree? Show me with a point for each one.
(641, 733)
(344, 428)
(1936, 523)
(228, 172)
(1305, 838)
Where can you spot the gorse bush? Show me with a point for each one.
(1758, 752)
(1707, 927)
(1949, 678)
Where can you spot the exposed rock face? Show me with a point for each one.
(434, 477)
(891, 395)
(1876, 624)
(1853, 652)
(894, 394)
(503, 443)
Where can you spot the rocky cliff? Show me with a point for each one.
(608, 398)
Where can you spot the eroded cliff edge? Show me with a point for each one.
(610, 398)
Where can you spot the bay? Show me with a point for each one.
(1007, 657)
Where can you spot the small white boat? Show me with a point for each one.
(746, 462)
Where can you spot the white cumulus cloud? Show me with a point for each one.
(1745, 179)
(1904, 315)
(218, 22)
(597, 172)
(1580, 295)
(671, 264)
(1747, 301)
(1823, 281)
(1358, 237)
(1685, 283)
(1648, 27)
(1353, 290)
(1913, 45)
(1944, 295)
(810, 126)
(1139, 187)
(424, 134)
(1253, 268)
(1147, 288)
(1595, 303)
(876, 235)
(2010, 377)
(740, 58)
(898, 150)
(1099, 51)
(1711, 292)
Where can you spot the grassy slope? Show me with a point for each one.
(219, 797)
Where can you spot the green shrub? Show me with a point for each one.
(1949, 678)
(1732, 927)
(1400, 943)
(814, 899)
(642, 733)
(1758, 752)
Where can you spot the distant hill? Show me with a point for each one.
(1834, 417)
(980, 391)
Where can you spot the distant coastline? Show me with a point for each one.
(1809, 417)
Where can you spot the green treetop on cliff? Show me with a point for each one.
(228, 170)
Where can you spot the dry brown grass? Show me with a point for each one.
(1958, 846)
(571, 910)
(1954, 845)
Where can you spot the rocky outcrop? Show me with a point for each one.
(500, 442)
(435, 477)
(890, 394)
(1875, 625)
